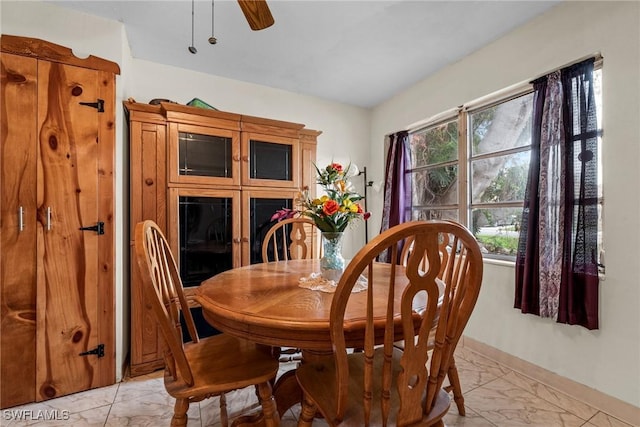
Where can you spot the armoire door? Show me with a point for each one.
(75, 176)
(59, 153)
(18, 230)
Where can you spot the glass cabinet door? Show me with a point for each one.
(261, 204)
(202, 155)
(207, 238)
(270, 160)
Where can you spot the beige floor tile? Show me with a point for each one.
(239, 402)
(472, 419)
(505, 404)
(552, 395)
(476, 371)
(145, 412)
(603, 420)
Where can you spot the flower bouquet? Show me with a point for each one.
(332, 213)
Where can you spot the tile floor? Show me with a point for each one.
(494, 396)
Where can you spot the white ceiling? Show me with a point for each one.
(356, 52)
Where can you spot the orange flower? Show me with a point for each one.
(330, 207)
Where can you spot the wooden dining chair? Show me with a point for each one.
(201, 368)
(291, 238)
(383, 385)
(444, 248)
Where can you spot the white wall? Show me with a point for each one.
(607, 359)
(345, 128)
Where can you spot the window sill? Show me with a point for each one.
(500, 262)
(512, 264)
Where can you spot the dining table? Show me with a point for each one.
(266, 303)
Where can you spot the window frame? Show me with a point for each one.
(465, 158)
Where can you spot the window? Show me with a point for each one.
(472, 167)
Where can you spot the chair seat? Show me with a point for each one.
(318, 379)
(238, 364)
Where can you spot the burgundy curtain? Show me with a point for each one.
(557, 259)
(397, 186)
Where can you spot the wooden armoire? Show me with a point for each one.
(57, 233)
(211, 180)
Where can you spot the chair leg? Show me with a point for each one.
(307, 413)
(454, 380)
(180, 413)
(268, 403)
(224, 417)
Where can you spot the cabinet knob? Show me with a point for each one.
(245, 159)
(236, 240)
(148, 181)
(236, 158)
(245, 240)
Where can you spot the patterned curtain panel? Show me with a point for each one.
(397, 186)
(557, 259)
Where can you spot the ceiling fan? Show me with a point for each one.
(257, 13)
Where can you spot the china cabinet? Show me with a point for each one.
(211, 180)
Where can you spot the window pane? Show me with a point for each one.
(427, 214)
(501, 127)
(435, 186)
(500, 179)
(434, 145)
(497, 230)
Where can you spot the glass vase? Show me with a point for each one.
(332, 262)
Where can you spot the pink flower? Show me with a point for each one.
(283, 213)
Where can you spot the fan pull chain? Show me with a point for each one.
(192, 48)
(212, 39)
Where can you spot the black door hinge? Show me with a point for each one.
(99, 351)
(98, 228)
(99, 105)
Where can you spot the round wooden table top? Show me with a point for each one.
(265, 304)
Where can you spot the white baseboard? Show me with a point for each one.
(608, 404)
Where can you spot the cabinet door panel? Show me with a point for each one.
(205, 240)
(202, 155)
(258, 207)
(148, 201)
(18, 230)
(269, 160)
(68, 200)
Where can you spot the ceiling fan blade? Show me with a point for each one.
(257, 13)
